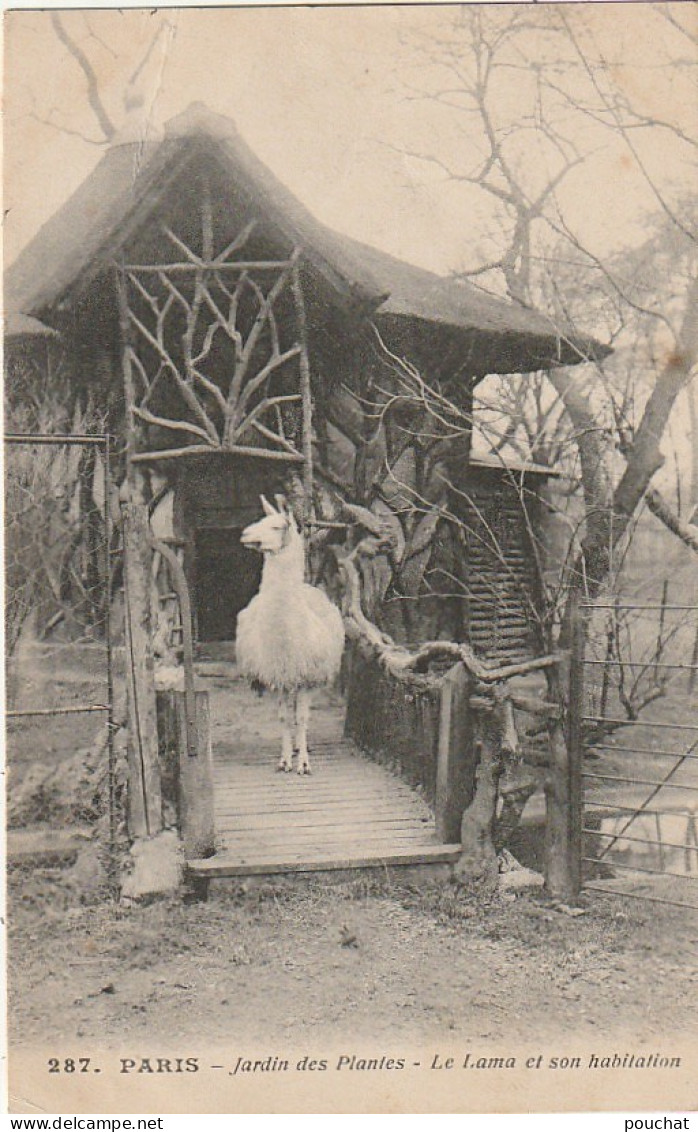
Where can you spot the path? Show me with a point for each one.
(350, 812)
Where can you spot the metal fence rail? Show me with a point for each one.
(631, 688)
(58, 602)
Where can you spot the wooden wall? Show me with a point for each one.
(497, 563)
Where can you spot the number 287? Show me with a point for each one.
(68, 1065)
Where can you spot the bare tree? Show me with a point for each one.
(75, 33)
(523, 157)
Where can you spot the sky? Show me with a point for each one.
(326, 97)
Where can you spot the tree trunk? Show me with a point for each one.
(478, 859)
(608, 514)
(145, 798)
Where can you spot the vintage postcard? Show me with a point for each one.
(350, 528)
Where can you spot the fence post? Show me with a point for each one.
(575, 745)
(145, 790)
(693, 672)
(442, 759)
(145, 796)
(478, 860)
(454, 774)
(564, 800)
(189, 780)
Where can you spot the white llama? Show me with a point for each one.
(290, 638)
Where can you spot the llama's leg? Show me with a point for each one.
(286, 718)
(302, 716)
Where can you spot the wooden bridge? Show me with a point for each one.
(349, 813)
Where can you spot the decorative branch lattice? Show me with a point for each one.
(216, 352)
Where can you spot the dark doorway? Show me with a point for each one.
(227, 578)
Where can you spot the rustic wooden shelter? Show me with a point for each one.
(235, 341)
(202, 303)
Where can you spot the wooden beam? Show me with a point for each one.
(443, 759)
(213, 266)
(191, 779)
(455, 771)
(563, 788)
(133, 428)
(306, 389)
(211, 450)
(145, 796)
(226, 865)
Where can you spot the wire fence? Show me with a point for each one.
(59, 551)
(639, 753)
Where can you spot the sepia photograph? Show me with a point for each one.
(351, 558)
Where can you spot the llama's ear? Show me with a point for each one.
(266, 506)
(281, 503)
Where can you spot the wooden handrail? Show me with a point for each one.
(403, 664)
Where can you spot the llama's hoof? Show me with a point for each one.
(284, 767)
(304, 768)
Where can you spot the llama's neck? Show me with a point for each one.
(285, 570)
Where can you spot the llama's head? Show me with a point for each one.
(272, 534)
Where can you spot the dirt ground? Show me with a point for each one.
(369, 957)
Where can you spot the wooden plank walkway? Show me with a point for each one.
(349, 813)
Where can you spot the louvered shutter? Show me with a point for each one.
(497, 569)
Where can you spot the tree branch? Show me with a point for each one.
(687, 532)
(93, 95)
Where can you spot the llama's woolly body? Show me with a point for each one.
(290, 636)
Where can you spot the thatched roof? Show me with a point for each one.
(498, 336)
(17, 325)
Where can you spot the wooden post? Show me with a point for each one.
(575, 743)
(693, 672)
(189, 780)
(306, 390)
(134, 430)
(478, 860)
(443, 760)
(660, 631)
(145, 797)
(563, 790)
(454, 769)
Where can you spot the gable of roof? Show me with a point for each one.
(91, 223)
(23, 326)
(70, 239)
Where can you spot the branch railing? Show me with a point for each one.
(444, 719)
